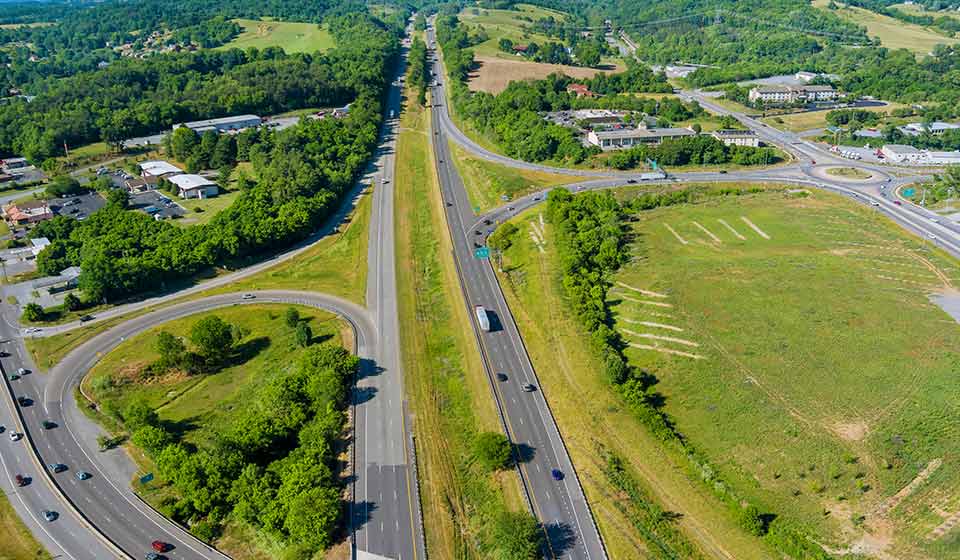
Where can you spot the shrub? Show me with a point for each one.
(493, 450)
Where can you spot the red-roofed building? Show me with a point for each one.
(581, 90)
(520, 49)
(30, 212)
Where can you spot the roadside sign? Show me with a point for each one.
(476, 209)
(909, 192)
(146, 478)
(482, 253)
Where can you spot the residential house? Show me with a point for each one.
(581, 90)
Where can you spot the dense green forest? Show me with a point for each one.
(83, 34)
(301, 172)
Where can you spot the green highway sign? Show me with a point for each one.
(147, 478)
(908, 192)
(482, 253)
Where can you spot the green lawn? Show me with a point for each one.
(444, 381)
(202, 211)
(809, 366)
(508, 24)
(292, 37)
(799, 122)
(205, 401)
(893, 33)
(18, 543)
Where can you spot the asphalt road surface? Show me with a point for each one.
(560, 505)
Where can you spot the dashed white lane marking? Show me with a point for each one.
(754, 227)
(733, 231)
(675, 234)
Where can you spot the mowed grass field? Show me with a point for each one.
(794, 343)
(893, 33)
(509, 24)
(487, 182)
(291, 36)
(18, 543)
(809, 120)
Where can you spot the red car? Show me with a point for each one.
(21, 481)
(160, 546)
(897, 202)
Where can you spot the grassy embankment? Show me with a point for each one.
(893, 33)
(487, 182)
(800, 122)
(449, 393)
(18, 543)
(805, 393)
(337, 264)
(291, 36)
(849, 173)
(199, 406)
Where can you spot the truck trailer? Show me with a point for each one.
(482, 318)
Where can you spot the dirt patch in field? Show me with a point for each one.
(851, 431)
(494, 74)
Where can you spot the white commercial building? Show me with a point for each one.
(940, 158)
(737, 137)
(900, 153)
(936, 128)
(194, 186)
(158, 168)
(792, 94)
(223, 124)
(620, 138)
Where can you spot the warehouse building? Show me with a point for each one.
(620, 138)
(224, 124)
(194, 186)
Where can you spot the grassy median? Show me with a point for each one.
(18, 543)
(448, 391)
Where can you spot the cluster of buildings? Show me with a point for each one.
(788, 95)
(618, 130)
(935, 128)
(188, 185)
(156, 42)
(901, 153)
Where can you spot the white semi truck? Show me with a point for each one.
(482, 318)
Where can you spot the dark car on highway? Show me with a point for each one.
(48, 425)
(58, 467)
(501, 376)
(24, 401)
(50, 515)
(22, 480)
(160, 546)
(557, 474)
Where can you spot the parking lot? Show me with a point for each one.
(156, 203)
(79, 206)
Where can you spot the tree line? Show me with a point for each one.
(695, 150)
(301, 172)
